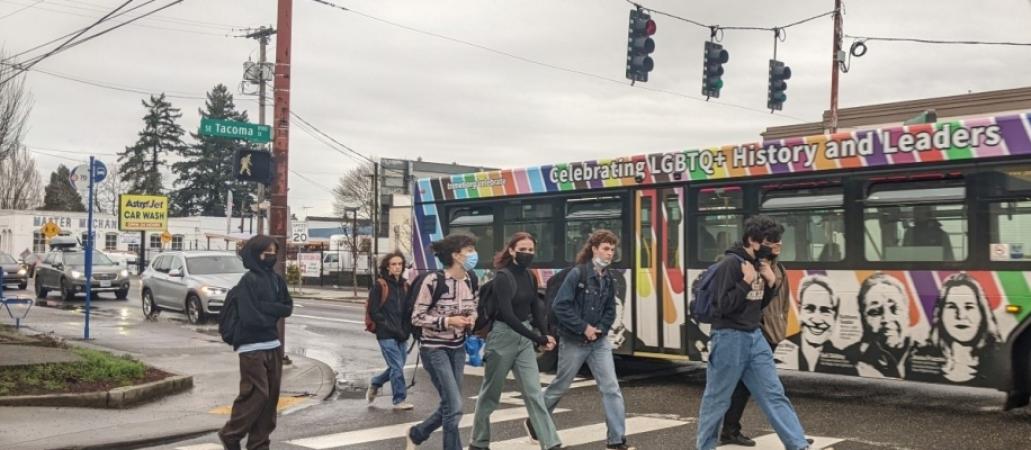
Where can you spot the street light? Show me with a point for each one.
(354, 249)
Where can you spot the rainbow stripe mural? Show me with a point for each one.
(943, 141)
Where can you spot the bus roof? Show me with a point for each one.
(953, 140)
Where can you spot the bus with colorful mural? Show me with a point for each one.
(908, 248)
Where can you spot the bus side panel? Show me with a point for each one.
(935, 326)
(426, 228)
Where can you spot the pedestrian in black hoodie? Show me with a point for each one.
(392, 317)
(738, 351)
(261, 299)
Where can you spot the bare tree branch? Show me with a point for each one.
(354, 190)
(15, 105)
(20, 183)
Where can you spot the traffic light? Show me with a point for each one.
(253, 165)
(639, 46)
(712, 72)
(776, 96)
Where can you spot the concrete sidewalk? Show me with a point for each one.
(170, 346)
(331, 294)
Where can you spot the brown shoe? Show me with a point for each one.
(227, 444)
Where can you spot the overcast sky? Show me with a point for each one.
(390, 92)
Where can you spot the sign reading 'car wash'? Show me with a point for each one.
(142, 212)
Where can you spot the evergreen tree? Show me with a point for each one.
(59, 193)
(140, 164)
(206, 167)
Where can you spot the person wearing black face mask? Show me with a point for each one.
(510, 345)
(261, 299)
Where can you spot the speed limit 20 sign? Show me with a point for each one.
(299, 233)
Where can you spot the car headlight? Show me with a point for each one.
(215, 291)
(76, 274)
(21, 272)
(123, 274)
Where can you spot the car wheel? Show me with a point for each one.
(41, 292)
(195, 310)
(150, 309)
(67, 291)
(122, 294)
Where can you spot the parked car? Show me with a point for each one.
(14, 273)
(31, 261)
(194, 283)
(63, 270)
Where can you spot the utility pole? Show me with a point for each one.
(262, 34)
(278, 211)
(835, 66)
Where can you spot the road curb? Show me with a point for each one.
(117, 398)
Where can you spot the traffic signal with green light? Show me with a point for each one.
(712, 71)
(778, 74)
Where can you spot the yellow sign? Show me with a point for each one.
(166, 237)
(142, 212)
(51, 229)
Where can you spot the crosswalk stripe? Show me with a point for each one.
(592, 433)
(772, 442)
(546, 378)
(201, 447)
(330, 319)
(399, 430)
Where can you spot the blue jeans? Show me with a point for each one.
(395, 355)
(745, 356)
(445, 367)
(572, 354)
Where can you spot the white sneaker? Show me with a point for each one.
(371, 393)
(404, 406)
(409, 443)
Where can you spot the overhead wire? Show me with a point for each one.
(224, 29)
(938, 41)
(33, 4)
(75, 31)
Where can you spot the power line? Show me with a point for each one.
(21, 9)
(76, 31)
(88, 6)
(544, 64)
(32, 62)
(93, 36)
(73, 152)
(938, 41)
(317, 130)
(719, 27)
(142, 25)
(312, 182)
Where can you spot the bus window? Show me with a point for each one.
(1010, 233)
(916, 222)
(534, 218)
(647, 247)
(720, 199)
(674, 216)
(477, 221)
(813, 220)
(716, 233)
(584, 215)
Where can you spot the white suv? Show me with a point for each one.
(195, 283)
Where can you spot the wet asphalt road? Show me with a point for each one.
(856, 413)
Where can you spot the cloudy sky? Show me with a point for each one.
(387, 91)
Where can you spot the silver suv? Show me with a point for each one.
(64, 270)
(194, 283)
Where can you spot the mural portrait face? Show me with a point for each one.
(817, 313)
(962, 317)
(886, 314)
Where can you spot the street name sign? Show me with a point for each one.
(235, 130)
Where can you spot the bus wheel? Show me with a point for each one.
(1020, 395)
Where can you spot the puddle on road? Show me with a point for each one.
(349, 390)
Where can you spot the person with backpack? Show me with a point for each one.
(741, 286)
(513, 310)
(584, 309)
(389, 317)
(258, 301)
(774, 325)
(444, 312)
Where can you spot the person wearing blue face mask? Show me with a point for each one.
(445, 323)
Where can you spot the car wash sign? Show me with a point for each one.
(142, 212)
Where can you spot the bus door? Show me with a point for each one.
(660, 306)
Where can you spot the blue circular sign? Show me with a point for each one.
(99, 171)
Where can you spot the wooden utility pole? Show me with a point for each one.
(835, 66)
(278, 210)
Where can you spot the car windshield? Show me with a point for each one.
(206, 265)
(78, 259)
(7, 259)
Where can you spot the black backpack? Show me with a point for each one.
(439, 289)
(487, 309)
(554, 284)
(229, 317)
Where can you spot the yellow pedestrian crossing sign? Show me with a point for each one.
(50, 229)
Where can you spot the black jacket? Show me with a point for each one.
(740, 305)
(262, 300)
(393, 318)
(518, 303)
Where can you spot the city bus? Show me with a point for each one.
(907, 249)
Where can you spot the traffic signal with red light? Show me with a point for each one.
(639, 46)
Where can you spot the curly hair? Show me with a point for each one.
(453, 243)
(384, 262)
(597, 238)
